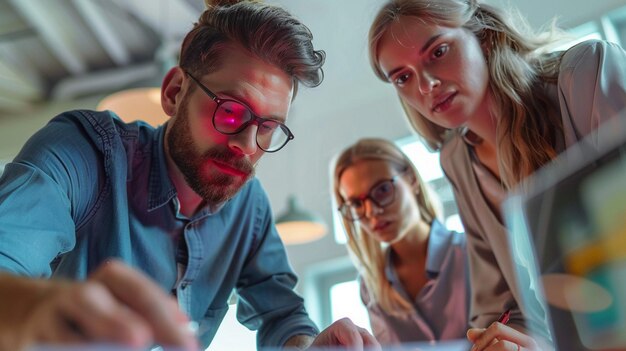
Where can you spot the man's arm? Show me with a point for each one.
(116, 304)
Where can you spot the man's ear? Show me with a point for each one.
(171, 90)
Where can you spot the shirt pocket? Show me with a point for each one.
(207, 327)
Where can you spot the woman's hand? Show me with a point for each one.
(499, 337)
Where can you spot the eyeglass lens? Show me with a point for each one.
(232, 117)
(382, 195)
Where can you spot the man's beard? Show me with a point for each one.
(217, 187)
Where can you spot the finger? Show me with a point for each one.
(474, 333)
(504, 345)
(511, 346)
(499, 331)
(369, 340)
(148, 300)
(56, 328)
(348, 334)
(99, 316)
(352, 340)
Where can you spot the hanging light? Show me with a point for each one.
(298, 226)
(144, 103)
(136, 104)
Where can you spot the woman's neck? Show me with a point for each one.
(484, 124)
(486, 130)
(416, 241)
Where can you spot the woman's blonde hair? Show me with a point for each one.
(518, 62)
(365, 249)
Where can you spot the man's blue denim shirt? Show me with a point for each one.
(88, 187)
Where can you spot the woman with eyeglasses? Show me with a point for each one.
(499, 103)
(412, 269)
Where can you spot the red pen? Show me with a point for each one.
(504, 317)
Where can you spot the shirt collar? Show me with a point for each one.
(160, 187)
(438, 242)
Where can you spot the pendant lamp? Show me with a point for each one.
(298, 226)
(136, 104)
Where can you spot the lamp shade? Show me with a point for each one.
(297, 226)
(142, 104)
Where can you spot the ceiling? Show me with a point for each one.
(60, 50)
(64, 49)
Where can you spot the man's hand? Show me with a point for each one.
(115, 305)
(346, 334)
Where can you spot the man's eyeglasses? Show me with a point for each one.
(381, 194)
(232, 117)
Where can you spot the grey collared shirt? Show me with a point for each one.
(441, 308)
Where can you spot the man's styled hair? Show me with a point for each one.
(266, 31)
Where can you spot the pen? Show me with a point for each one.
(504, 317)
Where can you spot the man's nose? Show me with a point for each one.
(244, 142)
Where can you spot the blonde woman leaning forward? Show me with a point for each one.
(412, 269)
(489, 95)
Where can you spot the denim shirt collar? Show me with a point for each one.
(161, 189)
(438, 242)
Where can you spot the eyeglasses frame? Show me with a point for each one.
(255, 119)
(368, 196)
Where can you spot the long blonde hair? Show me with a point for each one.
(366, 250)
(518, 62)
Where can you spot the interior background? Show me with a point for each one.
(57, 55)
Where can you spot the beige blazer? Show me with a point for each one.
(591, 88)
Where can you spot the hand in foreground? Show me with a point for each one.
(346, 334)
(117, 304)
(499, 337)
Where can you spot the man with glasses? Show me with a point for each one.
(91, 202)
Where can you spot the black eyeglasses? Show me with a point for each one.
(382, 194)
(232, 117)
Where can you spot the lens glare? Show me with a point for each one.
(230, 116)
